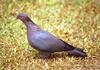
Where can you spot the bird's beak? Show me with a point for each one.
(17, 17)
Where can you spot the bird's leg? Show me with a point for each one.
(44, 55)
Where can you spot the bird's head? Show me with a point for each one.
(23, 17)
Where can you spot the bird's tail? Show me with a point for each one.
(77, 52)
(73, 51)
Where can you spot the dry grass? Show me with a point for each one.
(76, 22)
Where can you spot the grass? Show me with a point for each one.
(76, 22)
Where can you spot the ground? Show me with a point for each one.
(75, 21)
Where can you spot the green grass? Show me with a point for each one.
(75, 21)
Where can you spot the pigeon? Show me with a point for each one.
(46, 43)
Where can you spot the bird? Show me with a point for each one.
(46, 43)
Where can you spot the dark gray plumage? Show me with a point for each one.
(45, 42)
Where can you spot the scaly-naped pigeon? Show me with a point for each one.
(45, 42)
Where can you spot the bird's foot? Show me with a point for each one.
(45, 55)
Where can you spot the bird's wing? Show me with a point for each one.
(68, 46)
(47, 42)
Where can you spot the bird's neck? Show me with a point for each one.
(31, 26)
(28, 23)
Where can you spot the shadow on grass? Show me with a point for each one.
(58, 55)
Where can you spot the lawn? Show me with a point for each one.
(77, 22)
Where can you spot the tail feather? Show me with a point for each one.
(77, 52)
